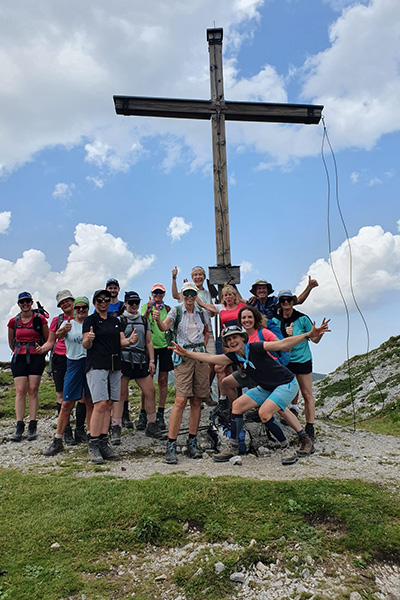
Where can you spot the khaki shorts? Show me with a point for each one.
(192, 379)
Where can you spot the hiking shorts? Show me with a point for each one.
(20, 368)
(59, 368)
(163, 356)
(282, 395)
(192, 379)
(244, 380)
(75, 384)
(104, 385)
(134, 371)
(300, 368)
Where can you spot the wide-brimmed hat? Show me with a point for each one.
(189, 285)
(257, 282)
(63, 295)
(233, 330)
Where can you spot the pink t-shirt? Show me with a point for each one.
(60, 347)
(24, 333)
(268, 337)
(229, 317)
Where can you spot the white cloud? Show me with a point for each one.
(354, 177)
(5, 220)
(358, 76)
(177, 228)
(97, 181)
(245, 267)
(374, 181)
(376, 270)
(95, 256)
(63, 191)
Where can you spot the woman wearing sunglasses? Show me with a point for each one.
(26, 331)
(75, 385)
(275, 384)
(293, 323)
(103, 338)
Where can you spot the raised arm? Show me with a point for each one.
(210, 307)
(312, 283)
(287, 343)
(174, 287)
(211, 359)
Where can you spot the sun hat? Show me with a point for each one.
(253, 289)
(63, 295)
(285, 294)
(189, 285)
(233, 330)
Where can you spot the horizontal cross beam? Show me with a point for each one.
(204, 109)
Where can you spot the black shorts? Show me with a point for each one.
(164, 356)
(300, 368)
(134, 371)
(59, 370)
(20, 368)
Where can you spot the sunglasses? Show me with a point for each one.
(82, 307)
(158, 292)
(191, 293)
(103, 300)
(133, 302)
(285, 300)
(25, 302)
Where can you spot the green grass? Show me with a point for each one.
(96, 519)
(386, 421)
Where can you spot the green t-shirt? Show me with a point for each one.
(158, 337)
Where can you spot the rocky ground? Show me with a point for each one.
(340, 454)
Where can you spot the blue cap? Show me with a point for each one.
(24, 295)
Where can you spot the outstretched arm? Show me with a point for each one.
(287, 343)
(312, 283)
(211, 359)
(210, 307)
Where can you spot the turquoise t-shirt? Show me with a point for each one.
(300, 353)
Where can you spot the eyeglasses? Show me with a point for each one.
(191, 293)
(103, 300)
(25, 302)
(285, 300)
(133, 302)
(158, 292)
(83, 307)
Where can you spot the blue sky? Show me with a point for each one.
(86, 194)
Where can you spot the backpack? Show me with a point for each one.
(283, 357)
(60, 319)
(36, 326)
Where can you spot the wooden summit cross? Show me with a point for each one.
(218, 110)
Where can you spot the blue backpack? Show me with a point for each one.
(283, 357)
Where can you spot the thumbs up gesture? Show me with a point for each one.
(91, 334)
(133, 338)
(68, 325)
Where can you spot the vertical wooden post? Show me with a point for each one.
(223, 246)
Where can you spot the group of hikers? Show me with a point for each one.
(261, 359)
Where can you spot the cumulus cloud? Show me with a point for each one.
(358, 76)
(97, 181)
(95, 256)
(63, 191)
(177, 228)
(376, 270)
(5, 220)
(245, 267)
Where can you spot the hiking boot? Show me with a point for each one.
(210, 402)
(142, 422)
(31, 435)
(69, 437)
(115, 435)
(126, 421)
(170, 454)
(306, 446)
(288, 456)
(160, 421)
(192, 450)
(80, 435)
(154, 431)
(94, 454)
(19, 430)
(232, 449)
(106, 452)
(55, 447)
